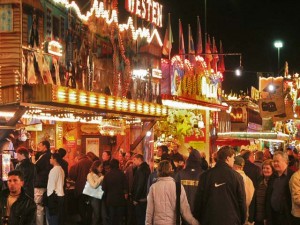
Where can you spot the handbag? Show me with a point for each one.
(93, 192)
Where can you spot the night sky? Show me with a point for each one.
(249, 27)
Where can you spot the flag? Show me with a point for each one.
(191, 46)
(221, 65)
(286, 69)
(168, 40)
(181, 40)
(208, 55)
(199, 37)
(215, 55)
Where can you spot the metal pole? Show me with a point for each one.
(278, 63)
(205, 28)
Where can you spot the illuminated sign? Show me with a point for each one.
(146, 9)
(55, 48)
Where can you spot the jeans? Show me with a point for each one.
(57, 218)
(84, 209)
(38, 196)
(140, 212)
(96, 208)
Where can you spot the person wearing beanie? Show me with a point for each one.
(238, 166)
(189, 177)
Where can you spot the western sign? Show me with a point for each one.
(146, 9)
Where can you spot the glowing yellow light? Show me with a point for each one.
(152, 109)
(164, 111)
(158, 110)
(125, 104)
(102, 101)
(72, 96)
(139, 107)
(61, 95)
(132, 106)
(146, 108)
(118, 104)
(92, 100)
(82, 98)
(110, 103)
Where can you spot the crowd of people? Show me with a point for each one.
(235, 188)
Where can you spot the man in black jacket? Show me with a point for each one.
(139, 188)
(43, 167)
(16, 207)
(278, 195)
(27, 168)
(221, 198)
(115, 193)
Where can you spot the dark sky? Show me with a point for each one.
(249, 27)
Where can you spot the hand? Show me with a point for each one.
(135, 203)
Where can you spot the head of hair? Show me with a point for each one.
(47, 144)
(284, 155)
(95, 165)
(23, 151)
(246, 155)
(17, 173)
(164, 149)
(139, 156)
(57, 157)
(268, 162)
(108, 153)
(259, 155)
(224, 152)
(114, 164)
(92, 156)
(62, 152)
(164, 168)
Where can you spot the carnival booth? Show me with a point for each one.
(191, 88)
(85, 82)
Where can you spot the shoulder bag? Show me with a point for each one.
(93, 192)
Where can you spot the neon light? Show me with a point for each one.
(112, 16)
(146, 9)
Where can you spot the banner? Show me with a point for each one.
(266, 83)
(272, 107)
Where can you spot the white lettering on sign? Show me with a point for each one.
(146, 9)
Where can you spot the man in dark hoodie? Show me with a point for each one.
(139, 188)
(189, 177)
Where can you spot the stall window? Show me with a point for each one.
(62, 28)
(6, 18)
(56, 28)
(48, 22)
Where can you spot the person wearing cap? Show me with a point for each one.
(189, 177)
(238, 166)
(220, 197)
